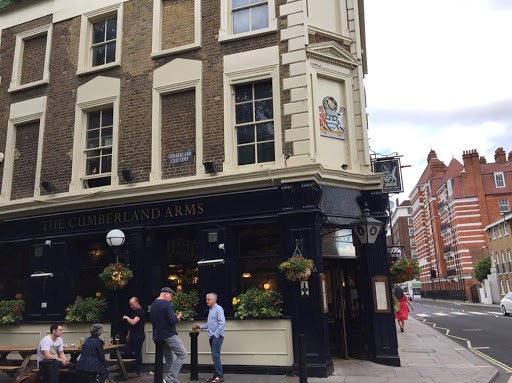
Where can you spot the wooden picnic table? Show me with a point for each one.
(75, 352)
(24, 351)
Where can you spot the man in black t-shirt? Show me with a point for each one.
(136, 334)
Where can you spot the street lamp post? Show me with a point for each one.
(381, 342)
(115, 239)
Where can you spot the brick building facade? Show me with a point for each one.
(452, 206)
(190, 124)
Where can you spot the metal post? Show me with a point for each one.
(193, 355)
(303, 368)
(159, 362)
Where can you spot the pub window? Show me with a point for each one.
(259, 257)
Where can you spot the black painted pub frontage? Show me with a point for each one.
(258, 229)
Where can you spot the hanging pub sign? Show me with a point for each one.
(331, 119)
(391, 173)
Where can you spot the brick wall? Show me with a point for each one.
(25, 165)
(34, 54)
(177, 23)
(178, 132)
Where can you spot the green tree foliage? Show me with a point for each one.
(482, 269)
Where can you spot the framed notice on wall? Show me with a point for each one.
(381, 302)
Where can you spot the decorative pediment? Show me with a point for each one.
(333, 53)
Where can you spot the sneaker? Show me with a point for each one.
(218, 379)
(210, 379)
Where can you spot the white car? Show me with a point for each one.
(506, 304)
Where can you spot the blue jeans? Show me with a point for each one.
(215, 345)
(174, 345)
(133, 349)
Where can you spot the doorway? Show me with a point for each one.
(344, 316)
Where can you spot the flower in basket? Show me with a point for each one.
(403, 270)
(86, 310)
(12, 311)
(116, 275)
(186, 303)
(297, 268)
(258, 303)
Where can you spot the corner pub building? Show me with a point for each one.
(202, 134)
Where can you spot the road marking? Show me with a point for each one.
(459, 313)
(495, 312)
(422, 315)
(471, 329)
(477, 313)
(481, 348)
(441, 314)
(492, 360)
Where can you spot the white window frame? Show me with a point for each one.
(226, 22)
(99, 93)
(499, 180)
(503, 205)
(502, 288)
(247, 73)
(410, 221)
(19, 49)
(85, 51)
(157, 50)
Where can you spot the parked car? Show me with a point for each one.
(506, 304)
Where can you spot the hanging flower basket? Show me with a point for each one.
(403, 271)
(297, 268)
(116, 275)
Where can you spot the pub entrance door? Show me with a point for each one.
(344, 316)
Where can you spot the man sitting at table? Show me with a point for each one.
(50, 354)
(92, 360)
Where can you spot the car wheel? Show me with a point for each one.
(504, 311)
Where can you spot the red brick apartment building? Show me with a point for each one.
(452, 206)
(229, 131)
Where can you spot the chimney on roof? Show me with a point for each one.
(500, 156)
(510, 156)
(470, 153)
(431, 155)
(482, 160)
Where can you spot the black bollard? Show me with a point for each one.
(303, 368)
(159, 362)
(193, 355)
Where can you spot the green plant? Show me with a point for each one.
(186, 303)
(396, 305)
(403, 270)
(257, 303)
(86, 310)
(297, 263)
(11, 311)
(482, 269)
(116, 275)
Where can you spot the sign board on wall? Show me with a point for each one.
(180, 157)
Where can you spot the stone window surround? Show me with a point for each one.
(157, 50)
(239, 69)
(99, 93)
(15, 84)
(85, 52)
(499, 177)
(21, 113)
(226, 27)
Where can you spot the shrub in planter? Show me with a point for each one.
(258, 303)
(11, 311)
(86, 310)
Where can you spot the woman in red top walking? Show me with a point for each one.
(403, 313)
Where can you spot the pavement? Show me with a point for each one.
(426, 356)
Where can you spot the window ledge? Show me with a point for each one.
(169, 51)
(30, 85)
(99, 68)
(223, 37)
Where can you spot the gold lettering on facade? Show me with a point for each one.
(125, 216)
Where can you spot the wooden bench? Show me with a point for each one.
(113, 364)
(10, 368)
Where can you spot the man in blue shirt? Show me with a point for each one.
(164, 322)
(215, 325)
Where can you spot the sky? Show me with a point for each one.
(439, 77)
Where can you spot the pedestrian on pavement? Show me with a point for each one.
(403, 313)
(164, 322)
(92, 358)
(215, 326)
(136, 336)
